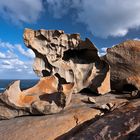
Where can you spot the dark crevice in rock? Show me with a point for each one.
(41, 37)
(129, 87)
(61, 79)
(46, 73)
(135, 135)
(81, 56)
(58, 98)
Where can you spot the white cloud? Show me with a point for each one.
(138, 39)
(11, 64)
(55, 6)
(8, 55)
(19, 11)
(16, 69)
(11, 48)
(29, 53)
(102, 17)
(6, 45)
(102, 51)
(5, 62)
(101, 54)
(2, 55)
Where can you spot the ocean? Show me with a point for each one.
(24, 84)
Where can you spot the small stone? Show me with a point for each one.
(134, 93)
(110, 105)
(105, 107)
(101, 114)
(91, 99)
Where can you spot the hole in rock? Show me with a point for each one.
(41, 37)
(28, 83)
(61, 79)
(81, 56)
(87, 91)
(57, 33)
(57, 97)
(129, 87)
(46, 73)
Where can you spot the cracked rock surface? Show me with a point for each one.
(49, 127)
(119, 124)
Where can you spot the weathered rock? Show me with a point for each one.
(125, 65)
(66, 65)
(56, 126)
(46, 97)
(46, 127)
(117, 125)
(69, 58)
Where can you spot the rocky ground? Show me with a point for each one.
(88, 117)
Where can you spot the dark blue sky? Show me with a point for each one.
(104, 22)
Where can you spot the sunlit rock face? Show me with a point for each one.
(46, 97)
(124, 61)
(65, 64)
(68, 57)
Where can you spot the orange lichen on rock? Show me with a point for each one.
(47, 94)
(25, 100)
(45, 85)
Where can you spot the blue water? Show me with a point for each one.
(24, 84)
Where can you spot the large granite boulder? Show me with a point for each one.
(124, 61)
(69, 58)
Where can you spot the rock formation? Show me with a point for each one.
(66, 65)
(46, 97)
(114, 126)
(69, 58)
(124, 60)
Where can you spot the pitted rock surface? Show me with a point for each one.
(69, 58)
